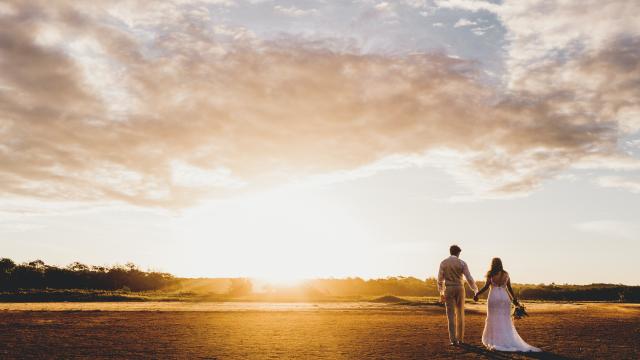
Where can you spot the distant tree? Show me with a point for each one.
(29, 275)
(6, 265)
(99, 268)
(77, 266)
(38, 265)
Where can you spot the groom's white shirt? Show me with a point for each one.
(452, 269)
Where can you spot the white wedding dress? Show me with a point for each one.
(499, 332)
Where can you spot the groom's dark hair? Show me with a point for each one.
(455, 250)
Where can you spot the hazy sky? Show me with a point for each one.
(288, 139)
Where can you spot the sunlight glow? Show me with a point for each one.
(280, 236)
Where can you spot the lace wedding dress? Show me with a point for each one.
(499, 332)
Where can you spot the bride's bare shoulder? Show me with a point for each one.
(502, 277)
(505, 277)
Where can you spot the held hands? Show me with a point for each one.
(515, 302)
(442, 298)
(475, 297)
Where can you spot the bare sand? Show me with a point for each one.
(177, 330)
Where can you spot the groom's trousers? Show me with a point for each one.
(454, 303)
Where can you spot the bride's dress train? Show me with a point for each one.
(499, 332)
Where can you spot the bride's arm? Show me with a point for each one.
(484, 288)
(510, 289)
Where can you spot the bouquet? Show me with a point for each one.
(519, 311)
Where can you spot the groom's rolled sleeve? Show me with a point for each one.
(469, 278)
(441, 280)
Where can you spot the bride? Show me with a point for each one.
(499, 332)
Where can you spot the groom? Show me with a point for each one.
(451, 288)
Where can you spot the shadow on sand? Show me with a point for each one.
(497, 355)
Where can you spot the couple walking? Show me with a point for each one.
(499, 332)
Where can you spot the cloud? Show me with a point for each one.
(294, 11)
(620, 182)
(464, 22)
(384, 7)
(469, 5)
(167, 111)
(481, 30)
(584, 58)
(384, 10)
(616, 162)
(564, 35)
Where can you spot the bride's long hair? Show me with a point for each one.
(496, 268)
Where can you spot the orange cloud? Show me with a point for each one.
(101, 115)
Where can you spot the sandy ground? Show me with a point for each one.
(302, 331)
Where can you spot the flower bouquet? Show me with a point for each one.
(519, 311)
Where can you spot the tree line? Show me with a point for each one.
(38, 275)
(411, 286)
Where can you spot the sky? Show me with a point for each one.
(300, 139)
